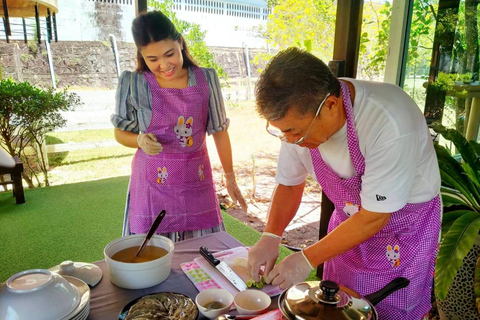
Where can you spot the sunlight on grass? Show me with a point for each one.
(79, 136)
(93, 164)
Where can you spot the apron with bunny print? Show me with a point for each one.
(405, 247)
(178, 179)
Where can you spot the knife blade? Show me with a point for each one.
(224, 269)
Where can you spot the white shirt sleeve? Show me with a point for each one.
(390, 174)
(291, 171)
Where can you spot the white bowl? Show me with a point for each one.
(213, 295)
(138, 275)
(252, 301)
(37, 294)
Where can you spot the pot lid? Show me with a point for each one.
(324, 300)
(89, 273)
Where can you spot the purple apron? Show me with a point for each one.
(405, 247)
(178, 179)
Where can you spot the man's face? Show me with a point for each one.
(308, 130)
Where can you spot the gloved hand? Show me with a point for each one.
(293, 269)
(148, 143)
(264, 252)
(234, 191)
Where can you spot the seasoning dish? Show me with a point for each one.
(214, 302)
(252, 301)
(49, 296)
(141, 275)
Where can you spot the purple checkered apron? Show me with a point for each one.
(178, 179)
(405, 247)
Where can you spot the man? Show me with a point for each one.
(368, 146)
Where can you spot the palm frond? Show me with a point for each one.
(454, 247)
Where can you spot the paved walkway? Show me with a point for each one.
(95, 114)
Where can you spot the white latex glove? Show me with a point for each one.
(148, 143)
(263, 253)
(293, 269)
(234, 191)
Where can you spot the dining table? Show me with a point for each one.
(107, 300)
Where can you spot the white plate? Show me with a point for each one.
(83, 314)
(84, 290)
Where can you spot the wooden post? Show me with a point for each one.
(24, 30)
(6, 20)
(5, 26)
(37, 21)
(54, 20)
(140, 6)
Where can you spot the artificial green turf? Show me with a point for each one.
(72, 222)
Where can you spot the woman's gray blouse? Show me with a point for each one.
(133, 106)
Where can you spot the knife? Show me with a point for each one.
(224, 269)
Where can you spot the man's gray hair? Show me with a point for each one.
(293, 78)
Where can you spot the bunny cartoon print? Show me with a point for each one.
(162, 175)
(393, 255)
(184, 130)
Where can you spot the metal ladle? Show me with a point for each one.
(150, 233)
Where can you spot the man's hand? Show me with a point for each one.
(263, 253)
(293, 269)
(148, 143)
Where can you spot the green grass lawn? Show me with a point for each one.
(72, 222)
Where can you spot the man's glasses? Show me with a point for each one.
(281, 135)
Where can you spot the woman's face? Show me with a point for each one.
(164, 58)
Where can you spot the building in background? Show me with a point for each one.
(228, 23)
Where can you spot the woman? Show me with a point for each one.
(165, 108)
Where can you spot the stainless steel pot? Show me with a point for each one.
(325, 300)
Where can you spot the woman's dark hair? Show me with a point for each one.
(154, 26)
(293, 78)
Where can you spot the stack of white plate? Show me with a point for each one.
(80, 312)
(43, 295)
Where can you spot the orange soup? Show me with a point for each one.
(149, 253)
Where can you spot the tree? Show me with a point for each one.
(27, 113)
(306, 24)
(192, 34)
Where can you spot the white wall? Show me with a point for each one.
(93, 20)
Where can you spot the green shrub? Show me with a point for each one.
(27, 113)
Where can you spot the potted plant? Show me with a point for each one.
(457, 270)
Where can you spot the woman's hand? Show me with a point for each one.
(148, 143)
(234, 191)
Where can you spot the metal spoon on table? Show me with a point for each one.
(150, 233)
(237, 317)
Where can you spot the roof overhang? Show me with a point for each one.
(26, 8)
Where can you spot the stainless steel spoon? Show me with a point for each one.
(150, 233)
(237, 317)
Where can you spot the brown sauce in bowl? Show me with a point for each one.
(149, 253)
